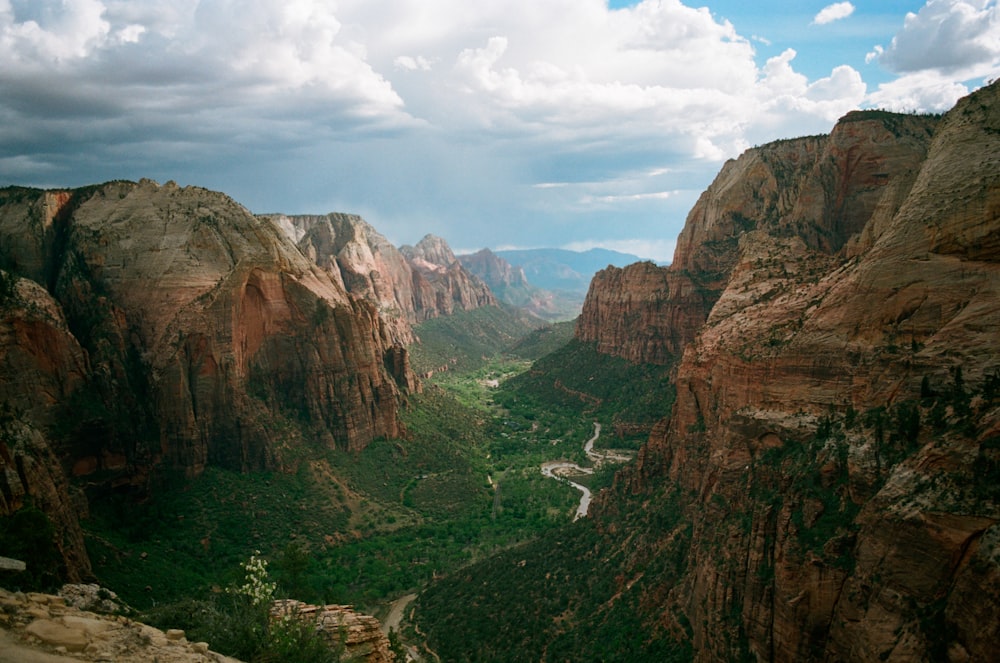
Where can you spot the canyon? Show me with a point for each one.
(149, 328)
(824, 486)
(833, 305)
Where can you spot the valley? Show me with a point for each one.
(786, 443)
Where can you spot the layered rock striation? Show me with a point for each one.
(510, 285)
(158, 326)
(407, 285)
(833, 451)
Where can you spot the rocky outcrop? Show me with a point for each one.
(822, 190)
(441, 285)
(41, 368)
(358, 257)
(642, 313)
(407, 285)
(833, 445)
(510, 285)
(47, 628)
(160, 326)
(359, 636)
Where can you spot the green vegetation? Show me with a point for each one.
(554, 598)
(463, 341)
(29, 536)
(238, 623)
(343, 528)
(464, 489)
(577, 378)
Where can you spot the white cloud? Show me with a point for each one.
(411, 63)
(787, 92)
(920, 92)
(959, 38)
(508, 114)
(937, 50)
(834, 12)
(627, 198)
(52, 32)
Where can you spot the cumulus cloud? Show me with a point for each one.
(937, 50)
(960, 38)
(834, 12)
(445, 110)
(920, 92)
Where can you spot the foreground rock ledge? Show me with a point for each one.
(42, 628)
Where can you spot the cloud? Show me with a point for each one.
(786, 92)
(938, 49)
(482, 122)
(834, 12)
(920, 92)
(958, 38)
(628, 198)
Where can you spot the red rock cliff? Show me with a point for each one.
(407, 285)
(834, 444)
(181, 331)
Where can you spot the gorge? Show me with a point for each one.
(816, 479)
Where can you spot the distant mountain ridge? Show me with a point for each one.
(548, 283)
(562, 269)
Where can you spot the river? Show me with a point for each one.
(559, 469)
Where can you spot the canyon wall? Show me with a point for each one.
(834, 449)
(407, 285)
(157, 326)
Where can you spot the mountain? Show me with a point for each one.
(407, 285)
(511, 286)
(443, 281)
(825, 486)
(825, 447)
(560, 269)
(148, 328)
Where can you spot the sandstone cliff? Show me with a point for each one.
(510, 285)
(832, 452)
(441, 285)
(169, 327)
(407, 285)
(823, 190)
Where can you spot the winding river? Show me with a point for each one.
(560, 469)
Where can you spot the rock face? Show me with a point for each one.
(359, 635)
(510, 285)
(642, 313)
(407, 286)
(821, 190)
(46, 628)
(159, 326)
(833, 450)
(441, 285)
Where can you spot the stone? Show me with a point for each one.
(838, 273)
(57, 635)
(8, 564)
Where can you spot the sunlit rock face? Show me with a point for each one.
(160, 326)
(836, 431)
(407, 285)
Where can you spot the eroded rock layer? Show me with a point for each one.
(834, 450)
(407, 285)
(160, 326)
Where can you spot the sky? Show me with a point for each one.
(514, 124)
